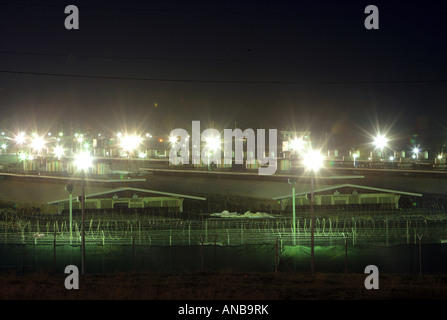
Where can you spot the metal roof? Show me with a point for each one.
(348, 185)
(133, 189)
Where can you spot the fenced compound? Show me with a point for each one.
(147, 230)
(147, 242)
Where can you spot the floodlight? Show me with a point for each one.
(313, 160)
(297, 144)
(130, 142)
(20, 138)
(380, 141)
(212, 143)
(37, 143)
(83, 160)
(58, 151)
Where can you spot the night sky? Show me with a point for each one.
(158, 65)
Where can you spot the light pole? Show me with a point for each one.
(416, 151)
(69, 188)
(292, 182)
(83, 161)
(129, 143)
(312, 161)
(380, 142)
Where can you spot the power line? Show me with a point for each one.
(306, 12)
(181, 11)
(224, 81)
(351, 60)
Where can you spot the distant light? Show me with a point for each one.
(391, 158)
(86, 146)
(20, 138)
(23, 156)
(297, 144)
(160, 140)
(4, 146)
(413, 156)
(61, 134)
(38, 143)
(80, 138)
(416, 150)
(380, 141)
(313, 160)
(49, 134)
(439, 156)
(212, 143)
(142, 155)
(58, 151)
(355, 155)
(173, 139)
(83, 160)
(130, 142)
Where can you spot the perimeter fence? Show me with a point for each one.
(146, 230)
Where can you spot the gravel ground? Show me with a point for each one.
(222, 286)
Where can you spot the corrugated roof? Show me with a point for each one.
(88, 195)
(348, 185)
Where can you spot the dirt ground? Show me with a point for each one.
(222, 286)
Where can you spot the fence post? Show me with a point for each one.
(242, 232)
(54, 250)
(386, 230)
(408, 233)
(420, 254)
(276, 256)
(346, 255)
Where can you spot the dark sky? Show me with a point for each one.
(161, 64)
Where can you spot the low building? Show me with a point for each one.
(127, 198)
(346, 195)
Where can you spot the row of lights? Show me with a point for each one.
(37, 143)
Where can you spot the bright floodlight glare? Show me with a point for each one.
(4, 146)
(130, 142)
(172, 139)
(380, 141)
(20, 138)
(416, 150)
(23, 156)
(439, 156)
(83, 160)
(313, 160)
(212, 143)
(58, 151)
(297, 144)
(37, 143)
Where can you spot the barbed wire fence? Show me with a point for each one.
(137, 233)
(147, 230)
